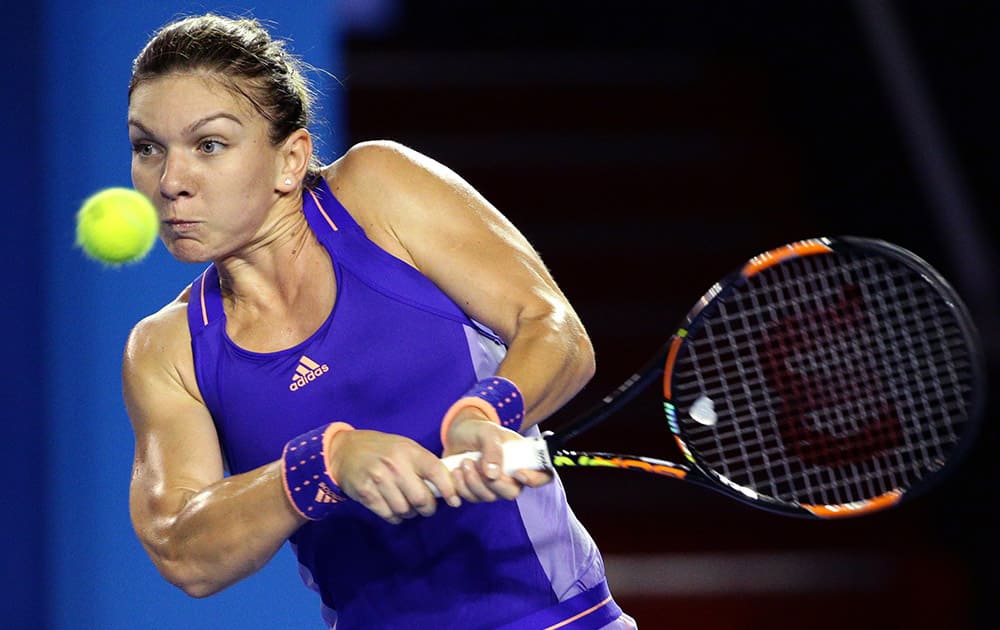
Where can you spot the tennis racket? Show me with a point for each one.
(826, 378)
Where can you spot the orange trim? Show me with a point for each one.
(332, 430)
(204, 311)
(463, 403)
(626, 463)
(322, 211)
(779, 254)
(566, 622)
(855, 509)
(668, 368)
(683, 448)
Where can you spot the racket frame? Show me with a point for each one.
(704, 476)
(547, 451)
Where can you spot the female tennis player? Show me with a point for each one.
(354, 323)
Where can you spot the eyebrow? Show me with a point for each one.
(201, 122)
(193, 127)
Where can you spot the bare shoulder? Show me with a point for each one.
(159, 347)
(375, 160)
(162, 328)
(386, 185)
(386, 177)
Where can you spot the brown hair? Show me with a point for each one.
(240, 53)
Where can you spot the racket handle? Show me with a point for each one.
(527, 454)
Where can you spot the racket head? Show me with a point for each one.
(827, 378)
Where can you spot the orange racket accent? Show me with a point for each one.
(623, 462)
(775, 256)
(638, 464)
(683, 448)
(856, 509)
(668, 368)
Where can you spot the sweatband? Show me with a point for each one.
(311, 490)
(496, 397)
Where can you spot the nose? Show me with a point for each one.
(175, 180)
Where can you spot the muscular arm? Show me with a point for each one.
(428, 216)
(203, 531)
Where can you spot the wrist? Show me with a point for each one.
(496, 399)
(333, 437)
(312, 491)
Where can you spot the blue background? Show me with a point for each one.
(73, 560)
(644, 148)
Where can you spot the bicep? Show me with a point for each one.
(482, 261)
(456, 238)
(453, 235)
(177, 450)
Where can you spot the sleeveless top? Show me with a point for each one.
(392, 356)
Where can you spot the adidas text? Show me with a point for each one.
(307, 372)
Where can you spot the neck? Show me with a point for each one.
(276, 268)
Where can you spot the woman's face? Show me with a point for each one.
(201, 153)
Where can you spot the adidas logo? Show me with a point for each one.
(306, 372)
(325, 494)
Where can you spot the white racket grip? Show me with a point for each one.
(530, 454)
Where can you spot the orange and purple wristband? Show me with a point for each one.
(497, 397)
(311, 490)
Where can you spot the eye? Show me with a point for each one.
(143, 149)
(210, 146)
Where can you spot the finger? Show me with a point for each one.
(371, 497)
(505, 487)
(491, 461)
(462, 488)
(419, 497)
(532, 478)
(475, 482)
(399, 504)
(444, 481)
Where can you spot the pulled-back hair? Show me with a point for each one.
(242, 55)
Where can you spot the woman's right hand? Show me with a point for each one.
(386, 473)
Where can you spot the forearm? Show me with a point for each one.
(222, 533)
(550, 359)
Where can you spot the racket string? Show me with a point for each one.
(845, 398)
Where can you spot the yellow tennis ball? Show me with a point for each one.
(116, 226)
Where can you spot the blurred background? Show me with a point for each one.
(645, 148)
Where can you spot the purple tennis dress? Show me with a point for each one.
(392, 356)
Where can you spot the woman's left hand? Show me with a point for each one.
(484, 480)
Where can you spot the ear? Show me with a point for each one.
(294, 157)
